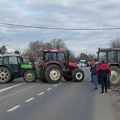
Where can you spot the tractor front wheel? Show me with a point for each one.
(115, 75)
(53, 74)
(78, 75)
(29, 76)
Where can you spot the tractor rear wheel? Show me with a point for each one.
(78, 75)
(5, 75)
(53, 74)
(12, 78)
(29, 76)
(115, 75)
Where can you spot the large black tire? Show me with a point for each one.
(42, 76)
(115, 75)
(68, 78)
(29, 76)
(53, 74)
(78, 75)
(5, 75)
(11, 79)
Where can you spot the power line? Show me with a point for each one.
(58, 28)
(6, 44)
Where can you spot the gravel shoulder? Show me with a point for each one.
(115, 94)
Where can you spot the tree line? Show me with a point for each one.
(35, 47)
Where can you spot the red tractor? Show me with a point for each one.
(56, 65)
(112, 57)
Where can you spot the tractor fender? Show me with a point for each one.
(25, 69)
(73, 65)
(8, 68)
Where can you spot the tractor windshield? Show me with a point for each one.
(108, 55)
(55, 56)
(112, 56)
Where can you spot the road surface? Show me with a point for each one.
(63, 101)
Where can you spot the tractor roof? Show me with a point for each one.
(54, 50)
(14, 55)
(108, 49)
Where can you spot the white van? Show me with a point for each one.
(82, 63)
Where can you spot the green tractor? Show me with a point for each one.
(12, 67)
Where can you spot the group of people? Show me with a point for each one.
(100, 73)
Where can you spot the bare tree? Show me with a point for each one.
(115, 43)
(3, 49)
(58, 44)
(33, 48)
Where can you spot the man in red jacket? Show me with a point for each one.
(103, 71)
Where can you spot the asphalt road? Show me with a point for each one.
(63, 101)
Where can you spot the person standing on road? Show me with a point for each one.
(103, 71)
(91, 68)
(94, 73)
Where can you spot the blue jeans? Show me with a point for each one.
(95, 80)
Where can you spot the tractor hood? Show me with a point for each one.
(26, 66)
(73, 65)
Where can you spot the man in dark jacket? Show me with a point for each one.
(103, 71)
(94, 73)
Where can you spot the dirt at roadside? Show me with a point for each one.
(115, 94)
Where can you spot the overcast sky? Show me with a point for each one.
(64, 14)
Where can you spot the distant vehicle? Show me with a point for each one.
(112, 57)
(82, 63)
(27, 60)
(37, 61)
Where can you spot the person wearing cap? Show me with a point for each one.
(103, 71)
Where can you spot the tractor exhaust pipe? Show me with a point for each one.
(67, 56)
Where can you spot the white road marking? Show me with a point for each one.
(41, 93)
(5, 89)
(49, 89)
(14, 108)
(29, 100)
(56, 85)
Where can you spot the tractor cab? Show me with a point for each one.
(58, 56)
(54, 55)
(112, 57)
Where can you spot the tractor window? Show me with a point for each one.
(112, 56)
(5, 60)
(13, 60)
(47, 56)
(61, 57)
(54, 56)
(19, 60)
(118, 56)
(102, 56)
